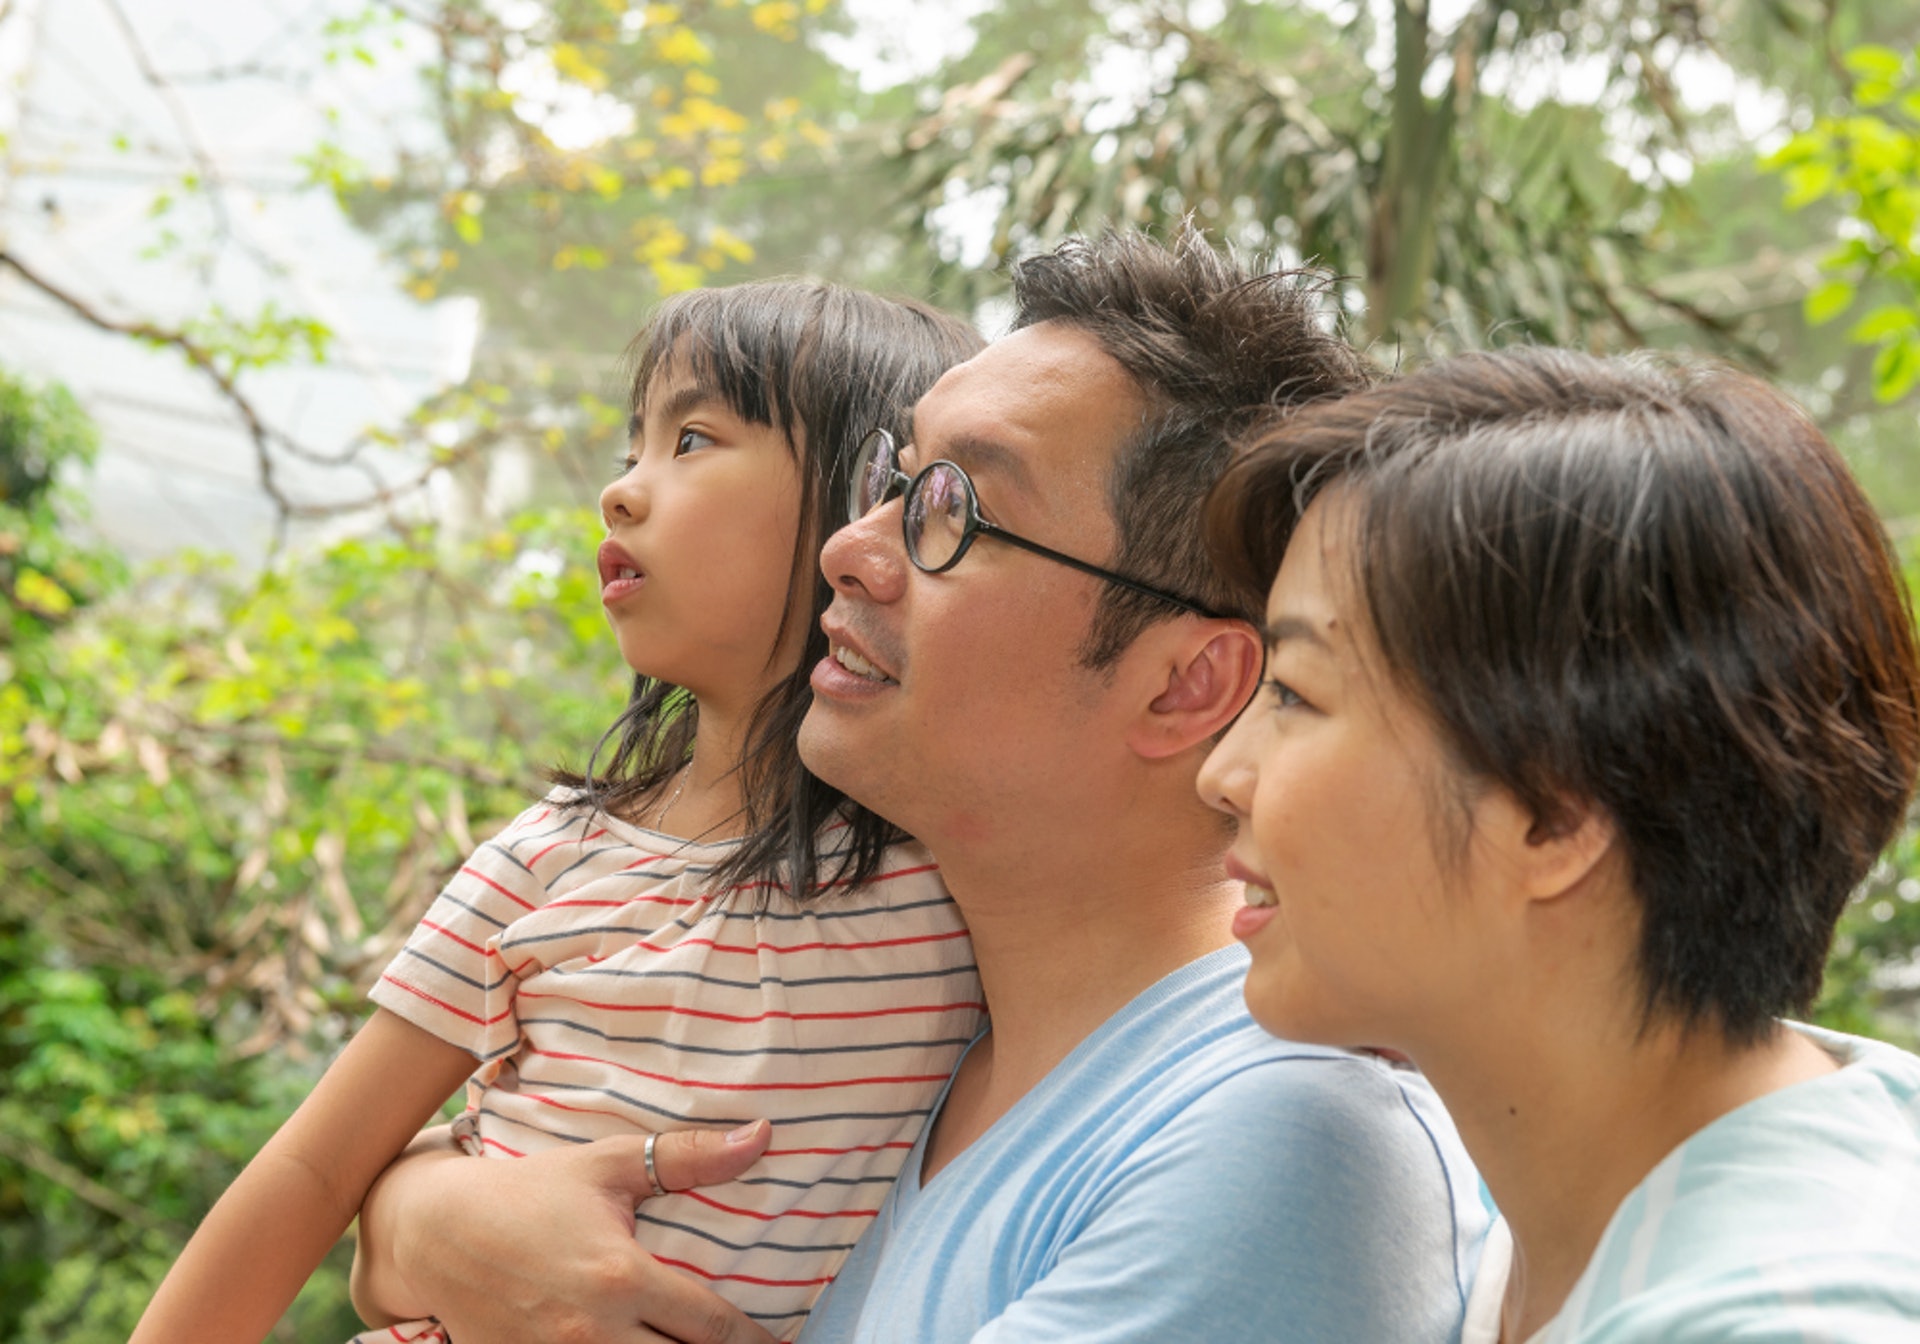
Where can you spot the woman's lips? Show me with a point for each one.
(1261, 904)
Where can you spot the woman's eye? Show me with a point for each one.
(1284, 696)
(690, 440)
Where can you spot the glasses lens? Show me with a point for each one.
(937, 515)
(873, 468)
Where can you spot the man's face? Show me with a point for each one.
(956, 704)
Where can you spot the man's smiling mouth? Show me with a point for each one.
(857, 665)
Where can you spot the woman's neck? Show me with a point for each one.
(1565, 1117)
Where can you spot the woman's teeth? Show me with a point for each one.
(1260, 896)
(857, 665)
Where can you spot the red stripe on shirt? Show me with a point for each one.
(447, 933)
(743, 1278)
(672, 1010)
(441, 1004)
(575, 840)
(697, 1197)
(734, 1087)
(835, 1152)
(803, 947)
(479, 876)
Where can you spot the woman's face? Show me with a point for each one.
(1363, 896)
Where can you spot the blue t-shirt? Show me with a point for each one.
(1795, 1218)
(1181, 1176)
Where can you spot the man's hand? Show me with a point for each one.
(541, 1248)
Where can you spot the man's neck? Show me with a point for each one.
(1066, 938)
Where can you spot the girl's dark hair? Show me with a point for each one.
(1645, 586)
(823, 365)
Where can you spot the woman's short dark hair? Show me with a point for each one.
(1643, 585)
(823, 365)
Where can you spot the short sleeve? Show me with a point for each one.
(1838, 1297)
(449, 979)
(1302, 1200)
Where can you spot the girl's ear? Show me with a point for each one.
(1210, 674)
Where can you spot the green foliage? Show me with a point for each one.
(1866, 162)
(224, 800)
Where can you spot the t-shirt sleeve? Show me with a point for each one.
(1297, 1201)
(1837, 1297)
(449, 978)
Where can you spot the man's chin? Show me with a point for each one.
(826, 751)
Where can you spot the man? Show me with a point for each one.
(1124, 1156)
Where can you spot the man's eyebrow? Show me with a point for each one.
(976, 455)
(1284, 629)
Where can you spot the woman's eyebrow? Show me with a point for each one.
(1285, 629)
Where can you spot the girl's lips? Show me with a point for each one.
(619, 575)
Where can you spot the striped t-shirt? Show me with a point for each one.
(605, 986)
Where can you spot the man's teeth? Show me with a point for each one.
(1260, 896)
(857, 665)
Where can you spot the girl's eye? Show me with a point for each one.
(690, 440)
(621, 466)
(1284, 696)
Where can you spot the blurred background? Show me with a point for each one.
(311, 324)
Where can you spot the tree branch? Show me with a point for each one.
(43, 1163)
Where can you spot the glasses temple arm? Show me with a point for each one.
(1145, 590)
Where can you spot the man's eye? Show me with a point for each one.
(690, 440)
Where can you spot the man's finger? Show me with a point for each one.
(688, 1313)
(691, 1157)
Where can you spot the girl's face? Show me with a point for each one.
(701, 530)
(1364, 920)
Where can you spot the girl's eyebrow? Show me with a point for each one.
(683, 400)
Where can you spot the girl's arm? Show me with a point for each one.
(276, 1222)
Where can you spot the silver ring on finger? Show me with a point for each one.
(653, 1173)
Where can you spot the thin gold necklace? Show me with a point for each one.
(660, 818)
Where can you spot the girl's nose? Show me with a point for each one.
(624, 500)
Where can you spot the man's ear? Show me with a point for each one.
(1211, 672)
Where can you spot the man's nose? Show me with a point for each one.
(867, 558)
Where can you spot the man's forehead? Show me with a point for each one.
(1032, 395)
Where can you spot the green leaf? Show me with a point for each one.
(1808, 182)
(1897, 368)
(1827, 301)
(1874, 62)
(1889, 319)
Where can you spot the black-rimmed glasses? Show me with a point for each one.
(942, 516)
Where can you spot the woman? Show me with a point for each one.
(1591, 695)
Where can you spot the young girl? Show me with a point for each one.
(1592, 694)
(698, 932)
